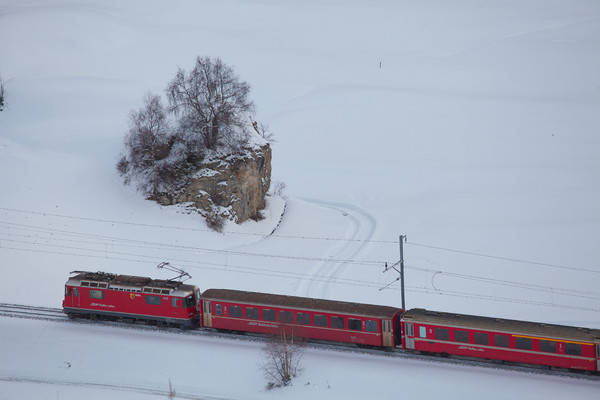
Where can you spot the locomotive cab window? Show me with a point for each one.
(189, 301)
(96, 294)
(174, 302)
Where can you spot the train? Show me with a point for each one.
(171, 303)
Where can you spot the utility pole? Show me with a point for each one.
(402, 240)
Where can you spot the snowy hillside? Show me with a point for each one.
(470, 127)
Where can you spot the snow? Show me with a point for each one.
(119, 364)
(469, 127)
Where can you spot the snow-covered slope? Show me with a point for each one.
(472, 128)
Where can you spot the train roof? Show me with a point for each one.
(107, 280)
(525, 328)
(300, 303)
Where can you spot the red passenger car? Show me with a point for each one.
(363, 324)
(500, 339)
(109, 296)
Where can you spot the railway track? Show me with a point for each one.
(32, 312)
(57, 315)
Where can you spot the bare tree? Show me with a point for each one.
(281, 359)
(264, 131)
(1, 93)
(213, 103)
(149, 141)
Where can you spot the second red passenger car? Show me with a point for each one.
(339, 321)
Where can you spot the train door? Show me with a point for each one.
(75, 298)
(207, 315)
(387, 333)
(409, 335)
(597, 341)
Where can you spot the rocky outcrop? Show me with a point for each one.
(232, 186)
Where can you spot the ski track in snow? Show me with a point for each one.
(324, 273)
(150, 391)
(517, 34)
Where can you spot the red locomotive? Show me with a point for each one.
(133, 298)
(166, 302)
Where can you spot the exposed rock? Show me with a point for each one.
(234, 186)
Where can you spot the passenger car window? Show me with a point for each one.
(371, 325)
(442, 334)
(286, 317)
(482, 338)
(338, 322)
(501, 340)
(422, 332)
(548, 346)
(461, 336)
(523, 343)
(251, 313)
(218, 309)
(303, 318)
(235, 311)
(573, 349)
(268, 315)
(354, 324)
(320, 320)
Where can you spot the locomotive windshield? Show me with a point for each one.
(189, 301)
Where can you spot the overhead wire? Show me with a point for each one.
(100, 240)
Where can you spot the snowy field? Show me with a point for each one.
(469, 126)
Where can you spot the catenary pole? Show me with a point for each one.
(402, 240)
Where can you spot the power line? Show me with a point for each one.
(304, 237)
(153, 245)
(116, 222)
(506, 258)
(129, 243)
(520, 285)
(335, 280)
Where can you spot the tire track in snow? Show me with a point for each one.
(362, 227)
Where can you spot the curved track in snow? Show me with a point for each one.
(361, 228)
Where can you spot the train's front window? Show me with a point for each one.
(190, 301)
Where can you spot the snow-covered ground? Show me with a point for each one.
(470, 127)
